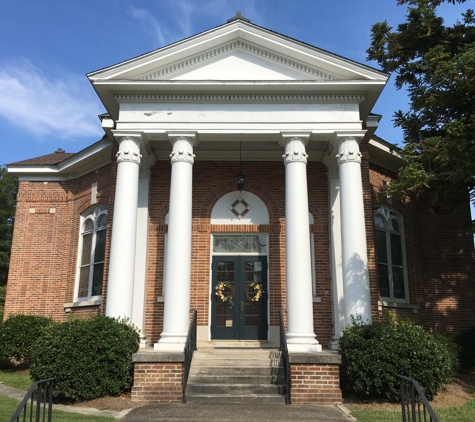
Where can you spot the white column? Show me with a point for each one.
(178, 256)
(141, 249)
(300, 332)
(120, 284)
(338, 298)
(353, 231)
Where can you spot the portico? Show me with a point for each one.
(289, 102)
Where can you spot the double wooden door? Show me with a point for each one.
(239, 298)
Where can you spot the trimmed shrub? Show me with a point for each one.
(373, 354)
(466, 346)
(89, 358)
(18, 333)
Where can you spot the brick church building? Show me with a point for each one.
(239, 175)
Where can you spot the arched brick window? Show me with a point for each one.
(92, 243)
(390, 254)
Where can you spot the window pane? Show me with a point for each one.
(393, 225)
(97, 279)
(378, 221)
(396, 249)
(380, 245)
(383, 280)
(88, 225)
(102, 221)
(83, 281)
(398, 283)
(100, 246)
(86, 249)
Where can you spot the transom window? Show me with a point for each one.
(92, 251)
(390, 254)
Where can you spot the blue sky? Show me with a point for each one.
(47, 47)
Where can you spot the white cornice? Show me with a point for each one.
(237, 45)
(241, 98)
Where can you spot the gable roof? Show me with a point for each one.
(233, 58)
(49, 159)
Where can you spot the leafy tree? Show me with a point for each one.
(436, 64)
(8, 192)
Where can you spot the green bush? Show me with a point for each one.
(89, 358)
(466, 346)
(18, 333)
(373, 354)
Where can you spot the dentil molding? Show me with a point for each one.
(243, 46)
(241, 98)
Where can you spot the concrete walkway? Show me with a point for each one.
(208, 412)
(235, 412)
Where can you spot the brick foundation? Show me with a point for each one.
(315, 379)
(157, 378)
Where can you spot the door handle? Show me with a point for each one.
(242, 308)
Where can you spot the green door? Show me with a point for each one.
(239, 298)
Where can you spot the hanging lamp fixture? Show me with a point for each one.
(240, 176)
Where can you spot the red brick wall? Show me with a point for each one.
(440, 259)
(45, 241)
(315, 384)
(159, 382)
(440, 256)
(212, 180)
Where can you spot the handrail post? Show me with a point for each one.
(37, 393)
(190, 347)
(412, 387)
(285, 357)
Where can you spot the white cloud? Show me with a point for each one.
(152, 26)
(48, 106)
(177, 17)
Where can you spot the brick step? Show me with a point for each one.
(234, 389)
(236, 370)
(242, 363)
(224, 375)
(227, 378)
(230, 398)
(240, 353)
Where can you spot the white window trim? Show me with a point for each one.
(94, 214)
(400, 220)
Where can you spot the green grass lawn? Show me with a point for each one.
(15, 379)
(8, 407)
(465, 413)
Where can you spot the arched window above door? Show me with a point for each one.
(239, 208)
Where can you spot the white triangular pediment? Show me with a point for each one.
(235, 51)
(238, 60)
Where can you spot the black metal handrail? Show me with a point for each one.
(285, 357)
(33, 406)
(414, 404)
(190, 347)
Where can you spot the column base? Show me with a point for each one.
(302, 342)
(171, 342)
(304, 348)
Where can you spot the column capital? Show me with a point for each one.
(129, 149)
(294, 144)
(348, 149)
(182, 144)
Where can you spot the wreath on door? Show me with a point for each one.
(254, 292)
(225, 292)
